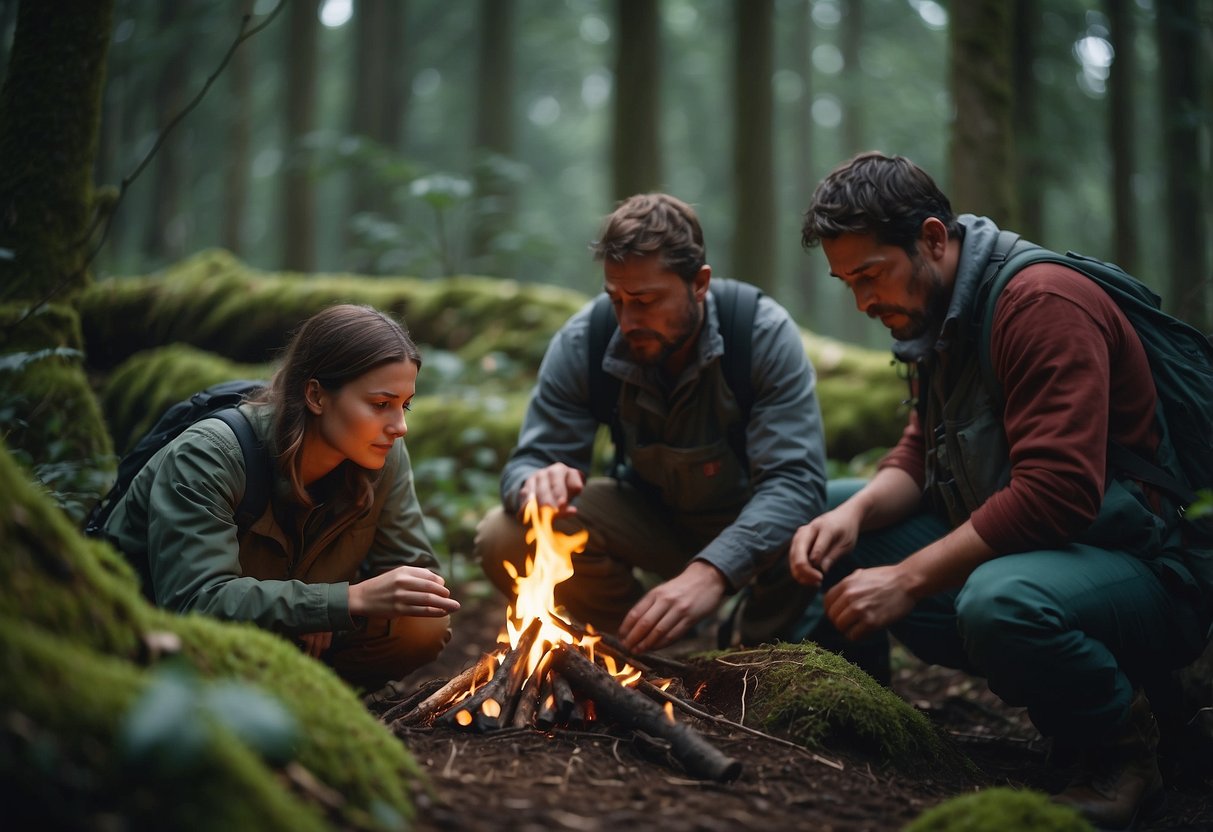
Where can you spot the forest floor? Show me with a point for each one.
(526, 781)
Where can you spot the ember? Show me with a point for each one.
(550, 673)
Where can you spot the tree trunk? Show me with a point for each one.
(636, 141)
(805, 295)
(1187, 292)
(753, 144)
(494, 140)
(163, 235)
(8, 18)
(1028, 149)
(1122, 126)
(299, 199)
(239, 149)
(375, 115)
(852, 99)
(50, 112)
(981, 147)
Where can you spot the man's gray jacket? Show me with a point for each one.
(677, 434)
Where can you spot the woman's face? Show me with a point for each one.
(360, 422)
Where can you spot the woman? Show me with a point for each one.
(338, 561)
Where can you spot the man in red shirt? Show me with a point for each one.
(995, 537)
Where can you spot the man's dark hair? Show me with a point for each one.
(887, 196)
(648, 224)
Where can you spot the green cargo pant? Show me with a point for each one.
(1067, 633)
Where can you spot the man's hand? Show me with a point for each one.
(405, 590)
(868, 600)
(556, 486)
(667, 611)
(817, 545)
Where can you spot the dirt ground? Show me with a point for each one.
(522, 779)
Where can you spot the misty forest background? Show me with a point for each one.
(430, 138)
(448, 161)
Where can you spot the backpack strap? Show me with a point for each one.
(256, 467)
(604, 387)
(736, 307)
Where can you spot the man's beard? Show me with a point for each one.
(668, 346)
(927, 281)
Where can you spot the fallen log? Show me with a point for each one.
(632, 709)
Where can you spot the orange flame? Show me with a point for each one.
(551, 564)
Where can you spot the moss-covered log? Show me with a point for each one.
(80, 654)
(214, 302)
(497, 330)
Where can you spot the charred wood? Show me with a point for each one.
(631, 709)
(491, 706)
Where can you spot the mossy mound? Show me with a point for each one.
(1000, 810)
(137, 392)
(216, 303)
(78, 648)
(48, 413)
(819, 699)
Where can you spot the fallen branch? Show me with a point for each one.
(444, 694)
(626, 706)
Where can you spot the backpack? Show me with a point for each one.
(1181, 361)
(217, 401)
(736, 305)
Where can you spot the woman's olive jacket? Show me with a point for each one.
(290, 570)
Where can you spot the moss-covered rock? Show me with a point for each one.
(819, 699)
(137, 392)
(1000, 810)
(77, 650)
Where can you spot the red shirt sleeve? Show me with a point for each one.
(1074, 374)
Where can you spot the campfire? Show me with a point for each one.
(549, 673)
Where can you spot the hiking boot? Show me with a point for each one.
(1119, 781)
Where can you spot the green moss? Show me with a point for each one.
(55, 415)
(67, 762)
(45, 327)
(1000, 810)
(215, 303)
(48, 414)
(75, 642)
(817, 698)
(136, 394)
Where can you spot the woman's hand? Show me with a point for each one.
(314, 644)
(405, 590)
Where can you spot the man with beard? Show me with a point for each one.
(997, 537)
(690, 507)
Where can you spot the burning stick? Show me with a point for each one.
(492, 705)
(528, 697)
(439, 698)
(628, 707)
